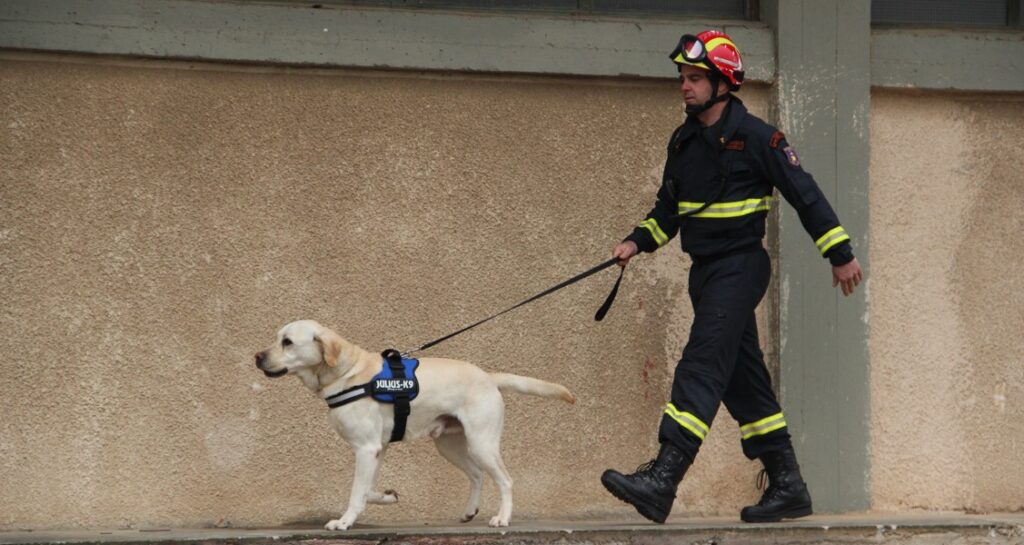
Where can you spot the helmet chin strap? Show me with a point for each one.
(696, 109)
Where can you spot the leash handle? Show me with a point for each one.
(548, 291)
(599, 315)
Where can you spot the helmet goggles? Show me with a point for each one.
(691, 50)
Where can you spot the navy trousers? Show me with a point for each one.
(722, 361)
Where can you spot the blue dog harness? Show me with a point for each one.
(396, 384)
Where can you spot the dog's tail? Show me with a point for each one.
(532, 386)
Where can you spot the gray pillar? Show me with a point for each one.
(821, 101)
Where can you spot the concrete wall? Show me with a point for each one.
(159, 221)
(947, 301)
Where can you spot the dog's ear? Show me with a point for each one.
(330, 345)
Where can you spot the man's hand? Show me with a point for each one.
(847, 276)
(625, 250)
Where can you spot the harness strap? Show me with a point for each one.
(348, 395)
(394, 361)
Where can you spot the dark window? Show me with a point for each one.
(722, 9)
(725, 9)
(975, 13)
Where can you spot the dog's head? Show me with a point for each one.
(300, 345)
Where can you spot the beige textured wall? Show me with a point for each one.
(159, 222)
(947, 301)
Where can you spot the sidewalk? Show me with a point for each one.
(896, 529)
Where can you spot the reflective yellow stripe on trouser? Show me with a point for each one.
(763, 426)
(733, 209)
(830, 239)
(659, 236)
(687, 420)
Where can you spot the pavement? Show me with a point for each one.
(928, 528)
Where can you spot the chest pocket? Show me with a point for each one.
(740, 169)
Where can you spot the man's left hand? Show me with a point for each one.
(847, 276)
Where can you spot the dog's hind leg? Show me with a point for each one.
(453, 448)
(362, 482)
(484, 450)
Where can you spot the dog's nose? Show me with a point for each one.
(260, 358)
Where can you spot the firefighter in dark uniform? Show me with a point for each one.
(723, 165)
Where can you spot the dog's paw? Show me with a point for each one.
(339, 524)
(469, 516)
(498, 522)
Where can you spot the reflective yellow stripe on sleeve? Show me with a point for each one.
(733, 209)
(659, 236)
(687, 420)
(763, 426)
(830, 239)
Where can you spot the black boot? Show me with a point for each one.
(652, 489)
(786, 495)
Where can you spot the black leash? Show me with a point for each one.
(598, 316)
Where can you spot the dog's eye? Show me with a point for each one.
(286, 342)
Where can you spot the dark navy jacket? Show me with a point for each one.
(754, 158)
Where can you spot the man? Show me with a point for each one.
(722, 166)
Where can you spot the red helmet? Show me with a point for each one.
(711, 50)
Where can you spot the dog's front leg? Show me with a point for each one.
(386, 497)
(366, 467)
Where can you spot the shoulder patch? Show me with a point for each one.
(777, 137)
(791, 155)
